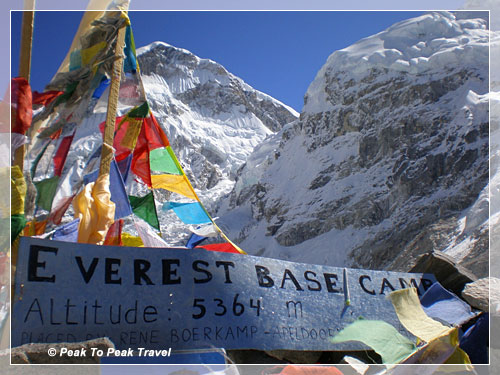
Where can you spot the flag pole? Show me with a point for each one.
(25, 63)
(114, 90)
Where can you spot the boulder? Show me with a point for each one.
(451, 275)
(484, 294)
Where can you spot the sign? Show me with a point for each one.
(192, 299)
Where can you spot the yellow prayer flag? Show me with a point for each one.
(18, 191)
(89, 53)
(95, 210)
(175, 183)
(413, 317)
(132, 241)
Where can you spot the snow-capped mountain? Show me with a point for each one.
(388, 160)
(213, 119)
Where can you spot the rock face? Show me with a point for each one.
(388, 160)
(212, 118)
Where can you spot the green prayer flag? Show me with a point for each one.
(141, 111)
(145, 208)
(163, 160)
(70, 89)
(46, 190)
(17, 224)
(380, 336)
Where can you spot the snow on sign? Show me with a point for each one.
(192, 299)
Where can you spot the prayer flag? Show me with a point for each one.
(117, 188)
(114, 235)
(95, 210)
(163, 160)
(145, 208)
(61, 154)
(46, 190)
(67, 232)
(220, 247)
(194, 240)
(149, 238)
(21, 99)
(174, 183)
(412, 316)
(189, 213)
(442, 305)
(380, 336)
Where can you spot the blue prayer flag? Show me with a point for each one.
(189, 213)
(194, 241)
(117, 188)
(442, 305)
(67, 232)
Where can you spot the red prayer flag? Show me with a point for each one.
(150, 138)
(221, 247)
(44, 98)
(59, 210)
(140, 159)
(156, 137)
(121, 127)
(61, 154)
(114, 235)
(21, 100)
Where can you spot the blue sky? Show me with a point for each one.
(60, 41)
(278, 53)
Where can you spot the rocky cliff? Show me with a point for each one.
(388, 160)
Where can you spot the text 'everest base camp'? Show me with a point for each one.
(172, 210)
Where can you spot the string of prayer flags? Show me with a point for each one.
(188, 213)
(117, 189)
(412, 316)
(442, 305)
(144, 207)
(67, 232)
(225, 247)
(382, 337)
(46, 190)
(94, 208)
